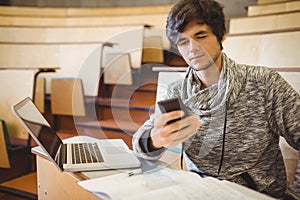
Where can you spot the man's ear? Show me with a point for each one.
(174, 49)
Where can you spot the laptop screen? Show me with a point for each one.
(38, 126)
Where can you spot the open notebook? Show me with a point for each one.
(79, 156)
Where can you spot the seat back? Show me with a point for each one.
(117, 69)
(39, 98)
(153, 50)
(67, 97)
(165, 79)
(5, 161)
(290, 158)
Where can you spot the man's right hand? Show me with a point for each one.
(170, 135)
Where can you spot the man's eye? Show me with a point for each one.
(183, 43)
(201, 37)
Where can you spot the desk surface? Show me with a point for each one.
(169, 69)
(170, 159)
(30, 68)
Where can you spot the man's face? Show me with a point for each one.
(199, 46)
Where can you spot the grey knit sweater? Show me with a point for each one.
(245, 113)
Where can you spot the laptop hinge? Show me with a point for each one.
(62, 156)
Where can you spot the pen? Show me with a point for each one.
(143, 170)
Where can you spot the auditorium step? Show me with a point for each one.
(123, 110)
(134, 103)
(111, 129)
(127, 126)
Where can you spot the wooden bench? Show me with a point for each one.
(261, 2)
(274, 8)
(82, 12)
(265, 24)
(53, 17)
(64, 35)
(272, 49)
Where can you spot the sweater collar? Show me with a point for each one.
(213, 98)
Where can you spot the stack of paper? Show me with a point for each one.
(166, 184)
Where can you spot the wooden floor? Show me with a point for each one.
(8, 197)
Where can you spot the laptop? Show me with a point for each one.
(95, 154)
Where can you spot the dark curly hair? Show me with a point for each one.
(209, 12)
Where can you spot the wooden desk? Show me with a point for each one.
(54, 184)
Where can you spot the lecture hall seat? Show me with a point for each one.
(23, 187)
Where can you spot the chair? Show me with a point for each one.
(67, 97)
(290, 158)
(164, 79)
(153, 50)
(25, 186)
(39, 97)
(117, 69)
(5, 161)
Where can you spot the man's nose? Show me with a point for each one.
(193, 45)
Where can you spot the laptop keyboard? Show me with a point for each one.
(86, 153)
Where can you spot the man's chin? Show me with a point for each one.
(196, 68)
(201, 67)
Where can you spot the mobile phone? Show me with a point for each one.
(172, 104)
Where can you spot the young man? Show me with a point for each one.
(237, 112)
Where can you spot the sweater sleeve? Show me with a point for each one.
(140, 142)
(283, 103)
